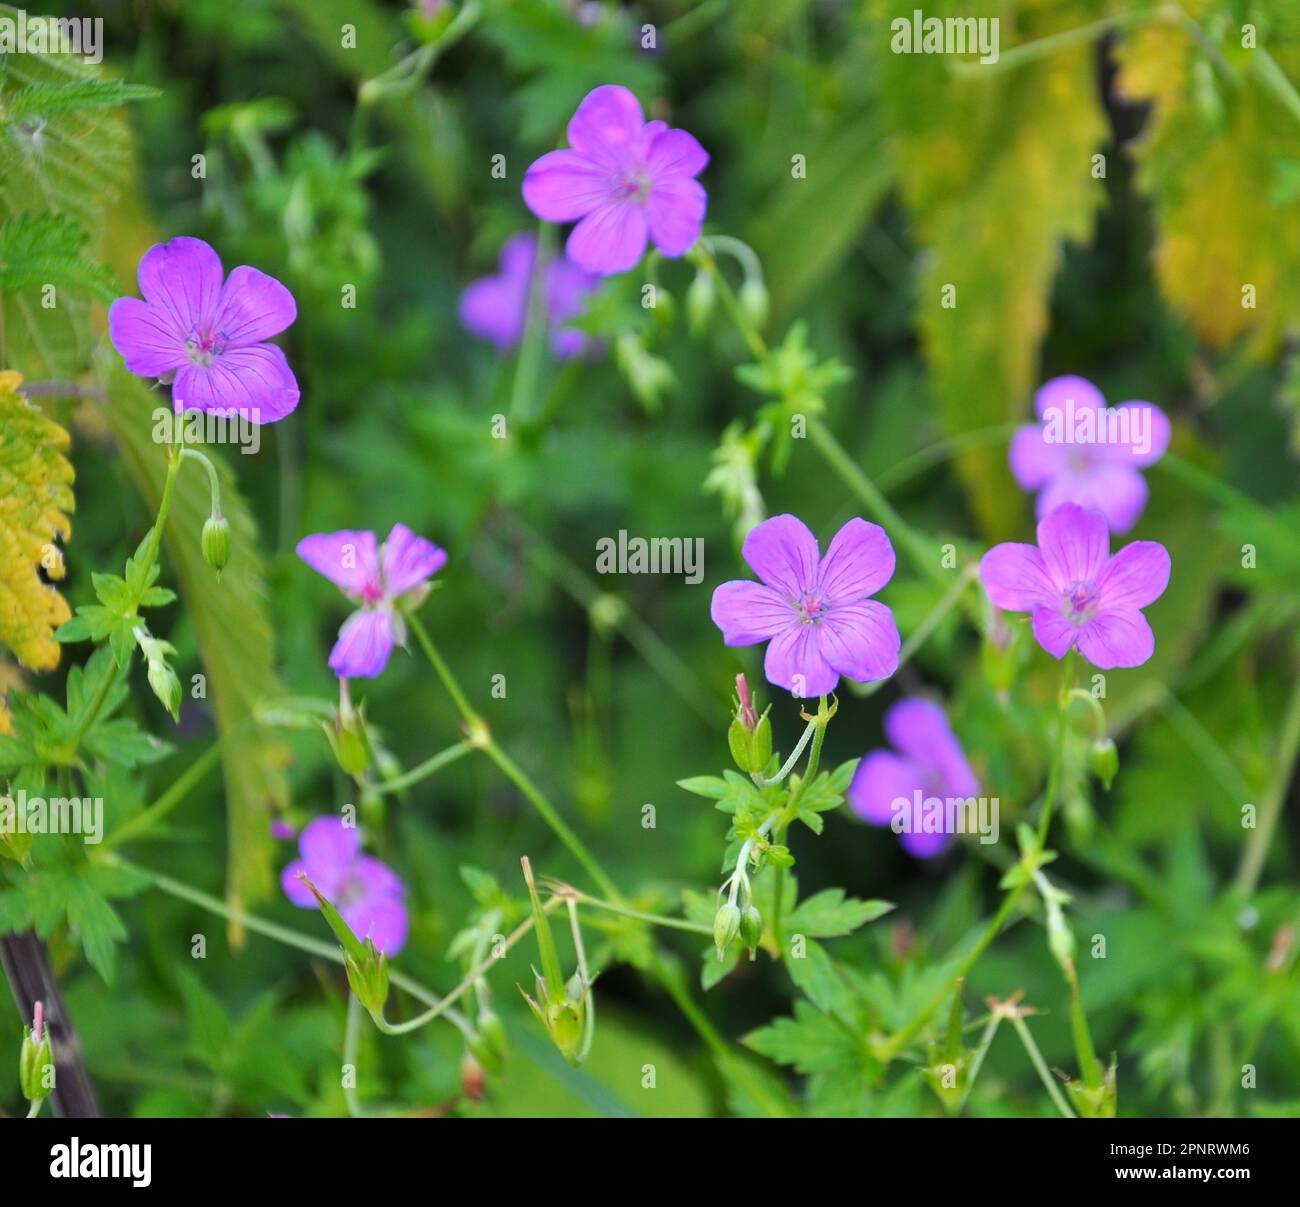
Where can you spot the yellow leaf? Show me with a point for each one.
(35, 497)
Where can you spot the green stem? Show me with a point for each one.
(1084, 1048)
(642, 916)
(528, 364)
(444, 758)
(214, 481)
(1041, 1066)
(788, 765)
(1252, 858)
(474, 974)
(482, 739)
(977, 1061)
(146, 819)
(272, 930)
(881, 510)
(1054, 775)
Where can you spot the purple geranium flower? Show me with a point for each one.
(1079, 594)
(496, 307)
(929, 766)
(366, 892)
(813, 609)
(384, 582)
(1087, 453)
(207, 338)
(622, 179)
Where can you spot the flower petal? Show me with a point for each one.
(794, 661)
(563, 186)
(923, 845)
(1118, 491)
(748, 612)
(858, 562)
(1058, 392)
(329, 847)
(860, 640)
(182, 280)
(1054, 631)
(145, 338)
(1153, 424)
(253, 307)
(376, 879)
(347, 558)
(675, 212)
(675, 153)
(1075, 544)
(297, 892)
(882, 778)
(381, 919)
(609, 239)
(784, 554)
(254, 382)
(408, 560)
(1136, 576)
(1117, 637)
(921, 730)
(364, 644)
(1034, 462)
(493, 308)
(1015, 577)
(606, 125)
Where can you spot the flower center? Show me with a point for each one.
(204, 346)
(1080, 602)
(633, 185)
(812, 607)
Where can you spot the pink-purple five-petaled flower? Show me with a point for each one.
(385, 581)
(368, 894)
(1087, 453)
(623, 180)
(208, 338)
(496, 307)
(908, 788)
(814, 610)
(1077, 594)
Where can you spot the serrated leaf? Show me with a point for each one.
(42, 250)
(830, 913)
(810, 1042)
(45, 100)
(35, 497)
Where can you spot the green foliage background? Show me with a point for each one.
(920, 174)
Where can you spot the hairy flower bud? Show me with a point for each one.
(751, 929)
(754, 301)
(36, 1059)
(726, 925)
(701, 295)
(1103, 758)
(215, 542)
(167, 687)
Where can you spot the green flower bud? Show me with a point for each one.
(701, 296)
(754, 301)
(349, 740)
(726, 925)
(36, 1059)
(1103, 758)
(368, 977)
(166, 686)
(751, 929)
(215, 541)
(493, 1031)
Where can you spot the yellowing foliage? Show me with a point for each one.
(35, 497)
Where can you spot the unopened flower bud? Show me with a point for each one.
(493, 1031)
(215, 541)
(36, 1059)
(166, 686)
(754, 301)
(1103, 758)
(751, 929)
(726, 925)
(701, 295)
(349, 740)
(473, 1078)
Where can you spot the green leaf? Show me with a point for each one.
(45, 100)
(830, 913)
(705, 785)
(40, 250)
(810, 1042)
